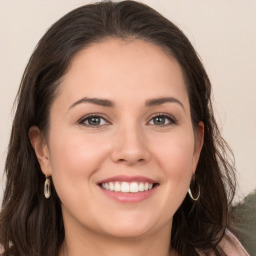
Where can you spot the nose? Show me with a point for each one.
(130, 146)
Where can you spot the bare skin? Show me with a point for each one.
(127, 132)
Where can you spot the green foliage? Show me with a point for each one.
(244, 221)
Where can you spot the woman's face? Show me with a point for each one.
(121, 121)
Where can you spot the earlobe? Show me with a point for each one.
(199, 141)
(39, 144)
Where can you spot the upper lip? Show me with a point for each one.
(128, 179)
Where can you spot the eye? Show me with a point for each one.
(93, 121)
(162, 120)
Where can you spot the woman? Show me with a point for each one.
(114, 125)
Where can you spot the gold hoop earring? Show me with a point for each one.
(47, 187)
(191, 196)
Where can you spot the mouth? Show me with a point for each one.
(128, 187)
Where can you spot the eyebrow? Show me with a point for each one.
(160, 101)
(109, 103)
(96, 101)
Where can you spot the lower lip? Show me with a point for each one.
(129, 197)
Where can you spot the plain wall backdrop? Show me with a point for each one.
(223, 32)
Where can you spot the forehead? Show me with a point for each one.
(125, 70)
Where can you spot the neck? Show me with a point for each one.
(90, 243)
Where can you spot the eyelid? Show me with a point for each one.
(171, 118)
(100, 115)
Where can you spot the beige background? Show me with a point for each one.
(223, 32)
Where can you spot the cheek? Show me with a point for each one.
(178, 169)
(175, 153)
(174, 156)
(74, 149)
(74, 159)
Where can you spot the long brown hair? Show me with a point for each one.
(31, 225)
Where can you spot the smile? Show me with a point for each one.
(127, 187)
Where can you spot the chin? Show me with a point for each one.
(128, 227)
(128, 232)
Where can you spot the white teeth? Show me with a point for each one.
(134, 187)
(141, 187)
(111, 186)
(117, 187)
(125, 187)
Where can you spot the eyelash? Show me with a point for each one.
(171, 120)
(85, 118)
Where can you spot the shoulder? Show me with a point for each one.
(1, 250)
(231, 246)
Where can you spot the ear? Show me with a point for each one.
(40, 146)
(199, 141)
